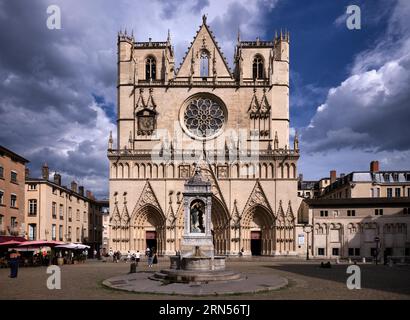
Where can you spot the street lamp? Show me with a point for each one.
(307, 228)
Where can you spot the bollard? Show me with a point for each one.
(337, 261)
(364, 260)
(390, 262)
(350, 261)
(133, 267)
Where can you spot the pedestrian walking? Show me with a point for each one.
(150, 258)
(147, 252)
(137, 257)
(128, 256)
(14, 263)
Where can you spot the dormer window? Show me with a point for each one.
(204, 65)
(257, 67)
(150, 68)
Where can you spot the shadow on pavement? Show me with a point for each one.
(378, 277)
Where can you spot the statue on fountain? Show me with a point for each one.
(197, 217)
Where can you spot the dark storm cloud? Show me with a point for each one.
(172, 8)
(199, 5)
(45, 94)
(57, 87)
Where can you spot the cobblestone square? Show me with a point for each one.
(306, 281)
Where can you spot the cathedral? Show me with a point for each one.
(231, 124)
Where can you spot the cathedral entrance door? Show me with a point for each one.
(151, 239)
(256, 243)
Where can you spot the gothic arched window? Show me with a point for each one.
(204, 65)
(257, 67)
(150, 68)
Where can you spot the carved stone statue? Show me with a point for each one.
(197, 220)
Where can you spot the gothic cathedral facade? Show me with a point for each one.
(234, 124)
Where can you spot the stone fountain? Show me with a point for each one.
(196, 262)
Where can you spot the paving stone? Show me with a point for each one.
(306, 281)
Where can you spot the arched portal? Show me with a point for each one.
(220, 227)
(148, 230)
(257, 231)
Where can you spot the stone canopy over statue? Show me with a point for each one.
(197, 216)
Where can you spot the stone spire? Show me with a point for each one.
(296, 142)
(130, 141)
(110, 141)
(276, 141)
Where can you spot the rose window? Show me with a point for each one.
(204, 117)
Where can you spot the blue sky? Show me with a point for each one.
(349, 94)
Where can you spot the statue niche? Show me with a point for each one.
(197, 211)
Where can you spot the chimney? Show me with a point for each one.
(88, 194)
(57, 179)
(74, 186)
(81, 190)
(45, 172)
(27, 173)
(332, 176)
(374, 166)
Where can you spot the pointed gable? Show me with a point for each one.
(116, 217)
(280, 214)
(257, 197)
(140, 105)
(147, 197)
(171, 217)
(125, 217)
(236, 217)
(204, 41)
(254, 106)
(290, 217)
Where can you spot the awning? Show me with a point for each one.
(10, 238)
(10, 244)
(40, 243)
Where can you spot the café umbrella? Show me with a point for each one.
(10, 244)
(39, 243)
(72, 246)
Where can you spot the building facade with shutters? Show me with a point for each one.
(12, 200)
(362, 214)
(57, 212)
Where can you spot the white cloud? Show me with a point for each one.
(365, 116)
(341, 20)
